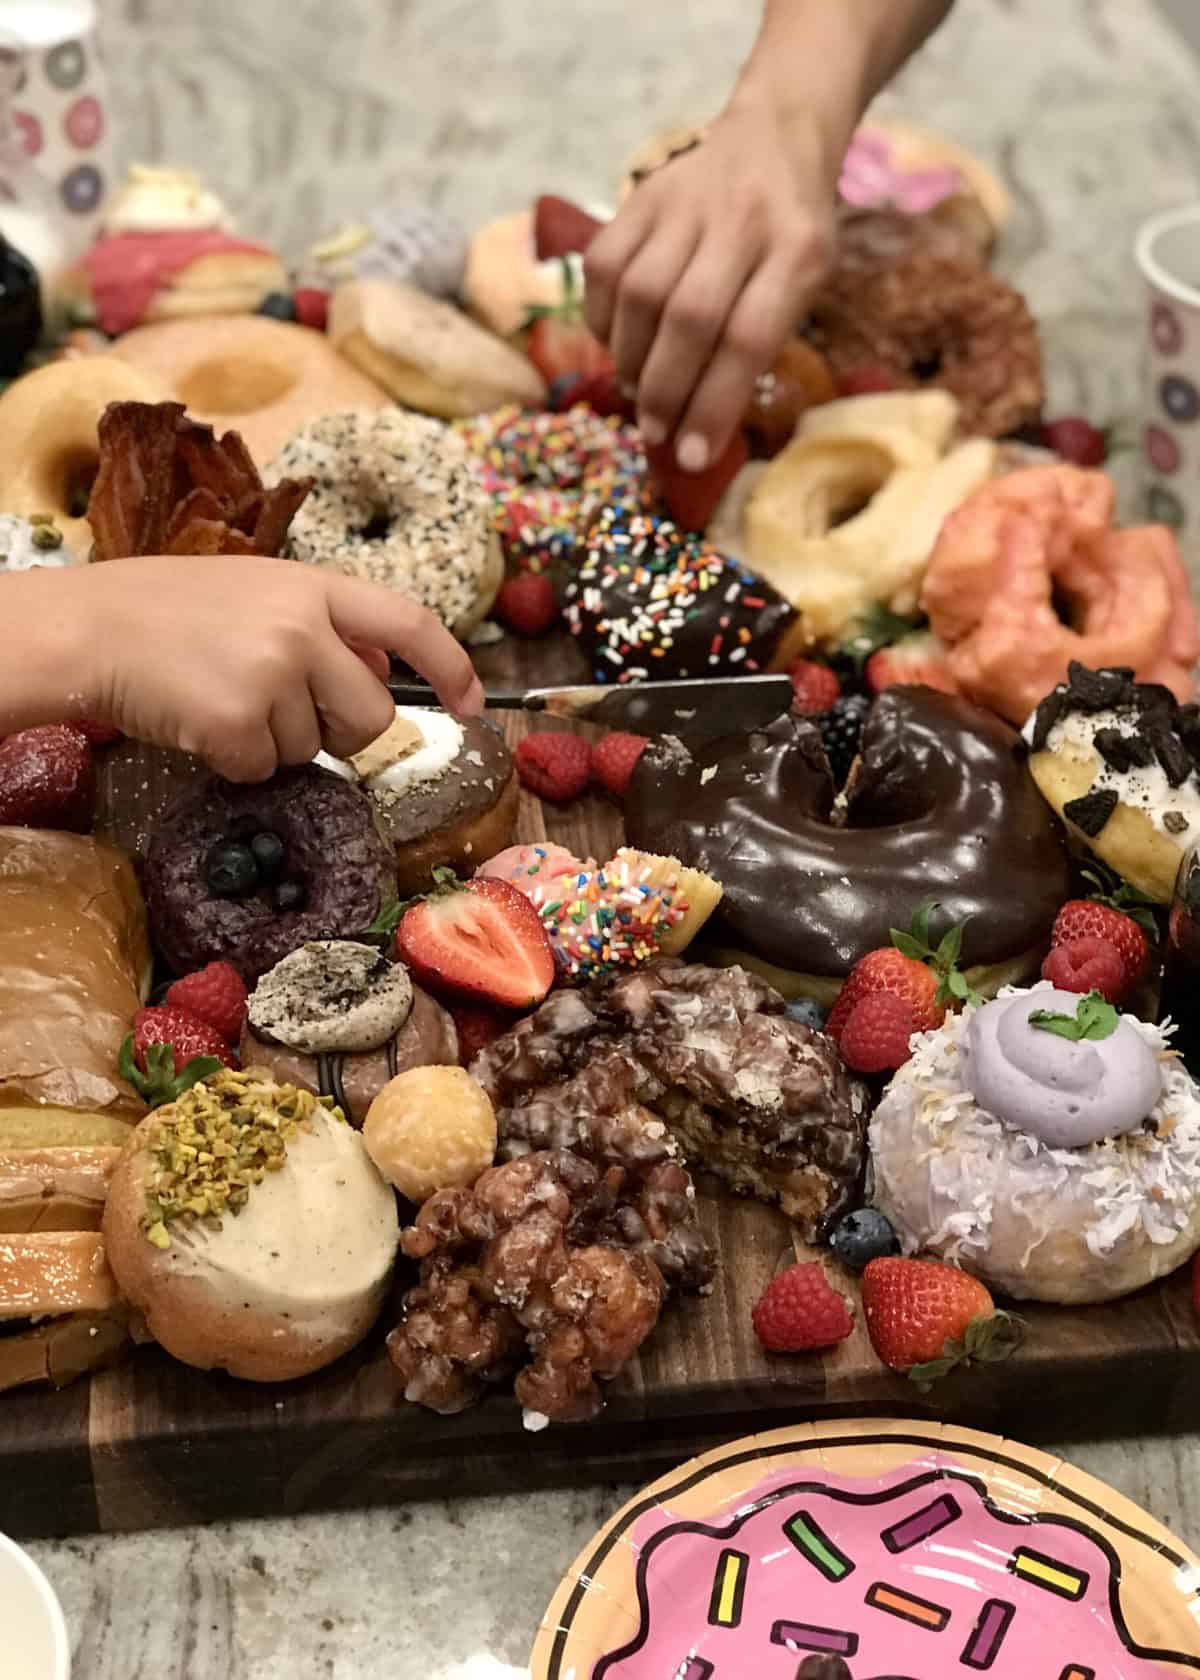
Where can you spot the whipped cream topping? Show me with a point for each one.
(1064, 1092)
(154, 200)
(1145, 789)
(443, 741)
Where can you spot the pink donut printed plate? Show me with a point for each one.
(876, 1550)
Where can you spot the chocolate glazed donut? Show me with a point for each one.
(940, 805)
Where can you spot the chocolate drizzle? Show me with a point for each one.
(941, 806)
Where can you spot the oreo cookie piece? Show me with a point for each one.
(1090, 812)
(1187, 727)
(1123, 752)
(1098, 691)
(1155, 699)
(1050, 711)
(1174, 822)
(1169, 750)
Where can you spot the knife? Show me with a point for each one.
(697, 708)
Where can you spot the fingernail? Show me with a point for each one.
(652, 430)
(472, 701)
(692, 453)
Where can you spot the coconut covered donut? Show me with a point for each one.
(49, 438)
(1056, 1168)
(395, 501)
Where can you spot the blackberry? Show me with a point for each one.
(840, 729)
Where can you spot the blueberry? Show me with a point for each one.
(561, 389)
(289, 895)
(230, 869)
(269, 855)
(279, 306)
(862, 1236)
(808, 1013)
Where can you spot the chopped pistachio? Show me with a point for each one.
(46, 536)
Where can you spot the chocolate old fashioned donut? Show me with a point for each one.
(940, 805)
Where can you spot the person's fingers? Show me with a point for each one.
(606, 259)
(374, 658)
(645, 290)
(761, 319)
(237, 745)
(689, 329)
(352, 705)
(368, 613)
(294, 725)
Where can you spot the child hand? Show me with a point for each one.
(705, 272)
(249, 663)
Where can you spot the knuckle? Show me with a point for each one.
(639, 294)
(599, 269)
(691, 317)
(747, 342)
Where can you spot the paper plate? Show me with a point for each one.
(911, 1551)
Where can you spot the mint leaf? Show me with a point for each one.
(1094, 1018)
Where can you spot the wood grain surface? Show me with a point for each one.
(151, 1443)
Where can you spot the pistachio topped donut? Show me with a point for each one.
(395, 500)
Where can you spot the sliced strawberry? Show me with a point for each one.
(692, 498)
(561, 228)
(918, 660)
(558, 347)
(602, 394)
(477, 939)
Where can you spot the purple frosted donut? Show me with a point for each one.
(333, 852)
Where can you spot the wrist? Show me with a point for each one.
(813, 97)
(42, 615)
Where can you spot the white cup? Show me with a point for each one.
(1168, 254)
(33, 1634)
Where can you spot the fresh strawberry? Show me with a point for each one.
(874, 1038)
(1076, 440)
(815, 687)
(169, 1051)
(926, 1318)
(312, 307)
(47, 778)
(918, 660)
(478, 1026)
(477, 939)
(561, 394)
(561, 228)
(99, 734)
(554, 765)
(692, 498)
(558, 345)
(602, 394)
(1087, 965)
(614, 758)
(1121, 915)
(216, 995)
(526, 603)
(869, 380)
(923, 976)
(799, 1311)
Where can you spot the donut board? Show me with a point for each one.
(153, 1443)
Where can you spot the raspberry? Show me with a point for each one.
(816, 687)
(613, 761)
(526, 604)
(1076, 440)
(876, 1034)
(311, 305)
(1087, 918)
(478, 1026)
(1086, 965)
(798, 1311)
(555, 766)
(215, 995)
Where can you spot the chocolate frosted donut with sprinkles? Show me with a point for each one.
(651, 601)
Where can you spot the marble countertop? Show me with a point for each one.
(1091, 108)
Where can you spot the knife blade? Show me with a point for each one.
(695, 708)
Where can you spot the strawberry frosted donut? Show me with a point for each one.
(1029, 574)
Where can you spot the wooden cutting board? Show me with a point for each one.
(153, 1443)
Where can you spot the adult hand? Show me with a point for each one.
(706, 270)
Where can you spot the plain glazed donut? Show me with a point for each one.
(940, 805)
(248, 374)
(49, 437)
(1028, 542)
(396, 501)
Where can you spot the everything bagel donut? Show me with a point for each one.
(940, 805)
(49, 438)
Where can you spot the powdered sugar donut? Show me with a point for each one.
(395, 501)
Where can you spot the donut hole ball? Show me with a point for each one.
(235, 386)
(432, 1128)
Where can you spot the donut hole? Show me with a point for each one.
(235, 386)
(377, 528)
(76, 474)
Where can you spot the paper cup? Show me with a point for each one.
(34, 1634)
(1168, 254)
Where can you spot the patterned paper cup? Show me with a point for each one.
(1168, 254)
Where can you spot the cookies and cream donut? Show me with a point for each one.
(395, 501)
(268, 1263)
(445, 792)
(337, 1018)
(261, 378)
(1117, 760)
(427, 354)
(1054, 1168)
(939, 805)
